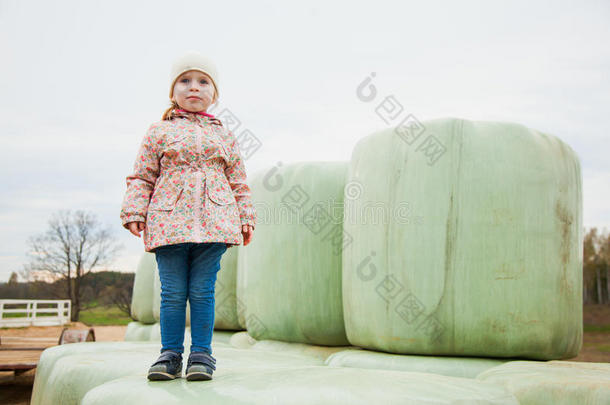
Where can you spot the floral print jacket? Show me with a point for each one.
(188, 184)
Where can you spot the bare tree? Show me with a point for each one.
(14, 279)
(121, 297)
(72, 246)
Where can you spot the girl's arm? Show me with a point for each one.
(141, 182)
(236, 174)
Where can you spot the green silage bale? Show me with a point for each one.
(467, 240)
(142, 296)
(289, 276)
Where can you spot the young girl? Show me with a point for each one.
(188, 193)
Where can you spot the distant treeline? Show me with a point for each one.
(596, 267)
(97, 288)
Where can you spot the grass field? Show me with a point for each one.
(104, 315)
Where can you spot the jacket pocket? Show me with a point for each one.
(177, 139)
(219, 193)
(165, 196)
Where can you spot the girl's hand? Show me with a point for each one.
(136, 227)
(247, 231)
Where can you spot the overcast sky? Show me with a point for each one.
(81, 81)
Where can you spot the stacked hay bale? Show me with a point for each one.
(494, 267)
(422, 270)
(290, 274)
(142, 299)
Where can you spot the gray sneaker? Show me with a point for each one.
(167, 367)
(200, 366)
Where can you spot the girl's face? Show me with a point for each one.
(194, 91)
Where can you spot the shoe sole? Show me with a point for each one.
(198, 376)
(161, 376)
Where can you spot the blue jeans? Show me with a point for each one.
(188, 271)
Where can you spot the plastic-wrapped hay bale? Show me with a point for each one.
(72, 376)
(142, 296)
(291, 274)
(300, 385)
(137, 331)
(553, 382)
(50, 356)
(155, 332)
(232, 360)
(301, 349)
(467, 367)
(240, 288)
(65, 373)
(221, 336)
(467, 240)
(225, 292)
(241, 340)
(156, 304)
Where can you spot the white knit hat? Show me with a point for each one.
(193, 60)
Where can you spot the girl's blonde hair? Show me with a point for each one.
(170, 113)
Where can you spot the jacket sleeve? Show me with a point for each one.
(141, 182)
(236, 174)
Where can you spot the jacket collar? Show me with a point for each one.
(198, 116)
(185, 112)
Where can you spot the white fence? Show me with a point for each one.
(34, 312)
